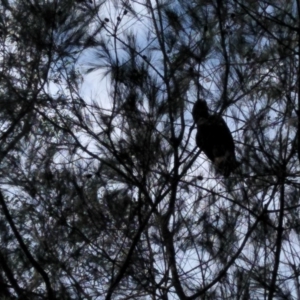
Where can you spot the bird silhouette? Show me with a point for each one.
(214, 139)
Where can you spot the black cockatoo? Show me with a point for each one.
(214, 139)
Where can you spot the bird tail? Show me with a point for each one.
(226, 164)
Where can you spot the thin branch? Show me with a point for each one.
(24, 248)
(278, 244)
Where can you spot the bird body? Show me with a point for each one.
(214, 138)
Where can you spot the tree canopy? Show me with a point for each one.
(104, 193)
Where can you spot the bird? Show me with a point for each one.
(214, 139)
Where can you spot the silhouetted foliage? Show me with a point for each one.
(104, 192)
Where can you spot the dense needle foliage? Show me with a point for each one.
(104, 193)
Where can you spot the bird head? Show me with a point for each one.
(200, 110)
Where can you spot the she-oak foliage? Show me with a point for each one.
(104, 193)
